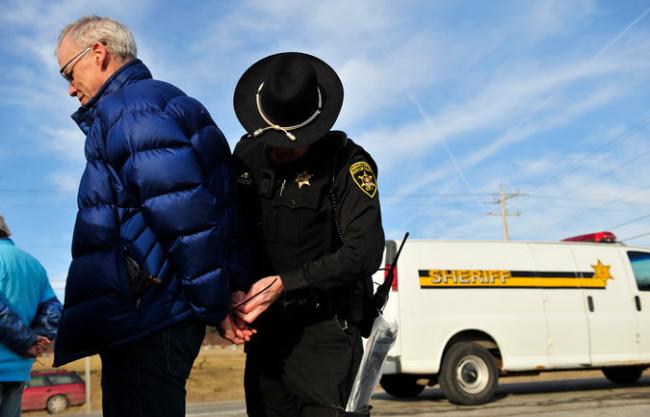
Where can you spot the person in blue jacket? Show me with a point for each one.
(157, 247)
(29, 316)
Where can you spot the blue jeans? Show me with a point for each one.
(10, 395)
(148, 377)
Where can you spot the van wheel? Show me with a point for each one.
(401, 385)
(469, 374)
(57, 404)
(623, 374)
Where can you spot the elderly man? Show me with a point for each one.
(156, 253)
(29, 316)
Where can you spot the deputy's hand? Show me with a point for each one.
(257, 305)
(238, 297)
(229, 330)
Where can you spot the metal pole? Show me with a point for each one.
(87, 377)
(504, 215)
(502, 199)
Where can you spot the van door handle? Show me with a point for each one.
(637, 300)
(590, 303)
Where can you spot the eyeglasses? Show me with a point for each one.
(69, 77)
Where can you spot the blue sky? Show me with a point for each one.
(452, 98)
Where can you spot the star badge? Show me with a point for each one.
(302, 178)
(602, 272)
(364, 178)
(367, 182)
(244, 178)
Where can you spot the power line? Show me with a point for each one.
(444, 205)
(629, 222)
(563, 197)
(586, 211)
(575, 74)
(426, 195)
(462, 195)
(611, 171)
(616, 140)
(35, 191)
(47, 246)
(635, 237)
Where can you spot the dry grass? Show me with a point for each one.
(217, 375)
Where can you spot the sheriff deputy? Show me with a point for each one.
(313, 209)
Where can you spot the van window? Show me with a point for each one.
(641, 267)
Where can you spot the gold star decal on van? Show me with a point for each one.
(303, 179)
(602, 272)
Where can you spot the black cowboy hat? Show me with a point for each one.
(288, 99)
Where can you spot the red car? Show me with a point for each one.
(53, 391)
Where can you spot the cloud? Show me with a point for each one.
(58, 285)
(526, 83)
(542, 19)
(64, 182)
(502, 103)
(65, 142)
(604, 191)
(379, 85)
(535, 167)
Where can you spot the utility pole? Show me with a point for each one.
(87, 376)
(501, 199)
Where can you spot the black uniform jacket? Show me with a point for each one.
(315, 222)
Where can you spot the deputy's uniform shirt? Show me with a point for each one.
(294, 222)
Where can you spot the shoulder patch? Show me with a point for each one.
(365, 179)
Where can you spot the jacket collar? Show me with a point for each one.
(6, 241)
(129, 73)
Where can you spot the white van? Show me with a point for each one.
(470, 311)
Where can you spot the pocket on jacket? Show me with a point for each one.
(138, 278)
(98, 274)
(182, 344)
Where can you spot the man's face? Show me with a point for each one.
(287, 155)
(85, 70)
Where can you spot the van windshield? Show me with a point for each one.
(641, 266)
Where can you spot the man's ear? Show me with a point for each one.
(100, 55)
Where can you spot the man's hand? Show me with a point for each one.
(260, 300)
(229, 329)
(234, 329)
(241, 327)
(38, 347)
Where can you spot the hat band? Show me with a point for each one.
(276, 126)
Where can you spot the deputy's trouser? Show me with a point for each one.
(300, 369)
(148, 377)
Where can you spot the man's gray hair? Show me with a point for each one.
(89, 29)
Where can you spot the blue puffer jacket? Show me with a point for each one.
(158, 188)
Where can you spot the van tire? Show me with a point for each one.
(469, 374)
(401, 385)
(623, 374)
